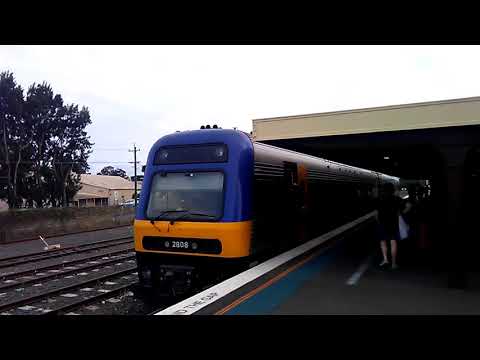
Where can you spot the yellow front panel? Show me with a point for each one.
(235, 236)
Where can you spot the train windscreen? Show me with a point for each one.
(186, 196)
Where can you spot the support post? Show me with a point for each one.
(135, 170)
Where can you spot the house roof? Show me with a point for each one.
(108, 182)
(84, 195)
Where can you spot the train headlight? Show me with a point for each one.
(167, 244)
(194, 246)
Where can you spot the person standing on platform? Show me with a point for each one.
(389, 208)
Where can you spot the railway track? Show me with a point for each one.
(109, 287)
(65, 260)
(98, 278)
(71, 288)
(21, 278)
(105, 283)
(53, 254)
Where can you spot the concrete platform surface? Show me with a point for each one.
(347, 280)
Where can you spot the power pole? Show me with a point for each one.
(135, 171)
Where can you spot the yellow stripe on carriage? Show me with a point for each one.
(234, 236)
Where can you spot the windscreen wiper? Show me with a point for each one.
(191, 213)
(159, 216)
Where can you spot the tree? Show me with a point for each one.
(14, 137)
(70, 150)
(42, 110)
(43, 145)
(111, 171)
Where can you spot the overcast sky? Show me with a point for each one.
(141, 93)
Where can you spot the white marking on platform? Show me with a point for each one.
(9, 281)
(54, 271)
(361, 269)
(83, 273)
(3, 294)
(209, 296)
(114, 301)
(93, 262)
(27, 308)
(69, 277)
(109, 283)
(69, 295)
(92, 307)
(87, 289)
(103, 290)
(40, 274)
(70, 268)
(20, 289)
(71, 313)
(95, 270)
(39, 284)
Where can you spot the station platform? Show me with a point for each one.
(22, 248)
(340, 277)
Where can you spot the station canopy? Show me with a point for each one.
(399, 140)
(426, 115)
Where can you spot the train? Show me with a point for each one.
(214, 201)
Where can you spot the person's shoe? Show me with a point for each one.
(383, 263)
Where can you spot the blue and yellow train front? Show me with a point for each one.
(195, 204)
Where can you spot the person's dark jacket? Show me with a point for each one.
(389, 207)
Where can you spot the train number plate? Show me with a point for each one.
(180, 245)
(190, 245)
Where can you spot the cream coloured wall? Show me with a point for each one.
(456, 112)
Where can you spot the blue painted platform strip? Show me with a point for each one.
(265, 302)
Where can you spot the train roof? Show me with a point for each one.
(237, 137)
(311, 158)
(202, 136)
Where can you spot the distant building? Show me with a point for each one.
(104, 190)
